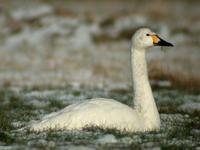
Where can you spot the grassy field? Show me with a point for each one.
(179, 130)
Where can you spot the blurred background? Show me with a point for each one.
(74, 42)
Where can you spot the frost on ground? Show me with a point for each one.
(108, 138)
(62, 46)
(191, 107)
(19, 108)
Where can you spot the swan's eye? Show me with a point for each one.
(147, 34)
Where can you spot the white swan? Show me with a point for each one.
(108, 113)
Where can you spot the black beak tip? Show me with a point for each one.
(164, 43)
(171, 45)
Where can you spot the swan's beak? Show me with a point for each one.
(157, 41)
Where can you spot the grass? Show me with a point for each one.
(178, 129)
(180, 80)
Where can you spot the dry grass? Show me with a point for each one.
(185, 81)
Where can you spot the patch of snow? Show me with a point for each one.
(70, 98)
(42, 98)
(171, 118)
(108, 138)
(51, 144)
(75, 34)
(17, 124)
(195, 132)
(127, 140)
(42, 142)
(65, 22)
(117, 86)
(190, 107)
(82, 37)
(125, 23)
(32, 12)
(38, 103)
(34, 38)
(130, 22)
(150, 146)
(135, 139)
(72, 147)
(6, 147)
(40, 93)
(161, 83)
(197, 148)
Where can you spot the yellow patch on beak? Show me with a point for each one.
(155, 39)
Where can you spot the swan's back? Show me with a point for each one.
(105, 113)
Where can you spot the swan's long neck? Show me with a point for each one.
(143, 98)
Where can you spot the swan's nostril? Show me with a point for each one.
(155, 39)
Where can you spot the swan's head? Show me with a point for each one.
(145, 38)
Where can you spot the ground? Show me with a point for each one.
(179, 127)
(56, 53)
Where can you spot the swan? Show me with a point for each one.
(108, 113)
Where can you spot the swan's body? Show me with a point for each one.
(108, 113)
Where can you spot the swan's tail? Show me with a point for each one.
(39, 126)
